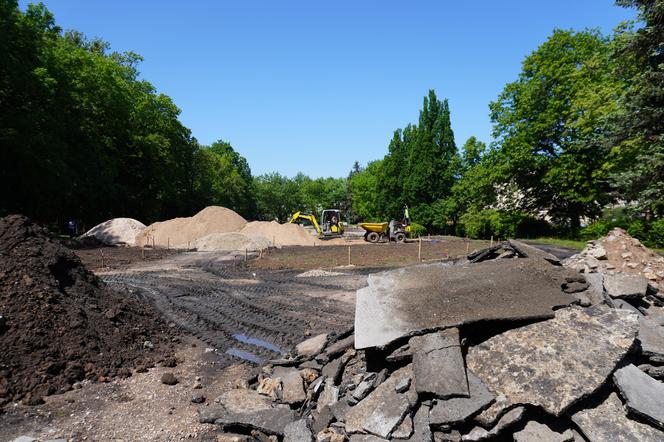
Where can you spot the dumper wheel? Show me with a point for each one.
(400, 237)
(373, 237)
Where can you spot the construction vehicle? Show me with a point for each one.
(330, 222)
(378, 232)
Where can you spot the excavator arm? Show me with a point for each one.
(304, 216)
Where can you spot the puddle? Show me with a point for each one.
(259, 343)
(244, 355)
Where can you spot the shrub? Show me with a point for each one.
(502, 224)
(656, 234)
(596, 229)
(417, 230)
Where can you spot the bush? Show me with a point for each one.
(502, 224)
(656, 234)
(417, 230)
(596, 229)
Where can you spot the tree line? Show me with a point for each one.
(577, 139)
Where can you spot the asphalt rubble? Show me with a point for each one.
(585, 365)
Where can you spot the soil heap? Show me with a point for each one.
(117, 231)
(280, 234)
(231, 242)
(182, 232)
(59, 324)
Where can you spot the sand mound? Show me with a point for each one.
(117, 231)
(281, 234)
(182, 232)
(231, 242)
(61, 324)
(618, 251)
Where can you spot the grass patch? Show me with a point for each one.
(560, 242)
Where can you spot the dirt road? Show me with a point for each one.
(248, 314)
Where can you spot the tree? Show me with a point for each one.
(638, 132)
(548, 126)
(473, 150)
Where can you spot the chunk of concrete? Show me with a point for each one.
(625, 285)
(421, 425)
(364, 387)
(382, 410)
(404, 430)
(651, 337)
(270, 421)
(366, 438)
(595, 292)
(536, 432)
(243, 400)
(609, 422)
(298, 431)
(555, 363)
(291, 384)
(644, 395)
(455, 410)
(328, 396)
(340, 346)
(401, 302)
(312, 346)
(510, 418)
(488, 417)
(438, 364)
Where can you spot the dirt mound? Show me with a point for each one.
(280, 234)
(618, 251)
(231, 241)
(182, 232)
(59, 323)
(117, 231)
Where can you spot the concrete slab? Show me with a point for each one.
(510, 418)
(555, 363)
(625, 285)
(609, 422)
(438, 364)
(376, 412)
(270, 421)
(651, 337)
(536, 432)
(298, 431)
(644, 395)
(401, 302)
(292, 385)
(312, 346)
(450, 411)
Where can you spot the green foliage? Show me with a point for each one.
(502, 224)
(547, 122)
(84, 137)
(596, 229)
(656, 234)
(417, 230)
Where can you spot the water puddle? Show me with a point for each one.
(259, 343)
(247, 356)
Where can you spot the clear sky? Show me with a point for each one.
(313, 86)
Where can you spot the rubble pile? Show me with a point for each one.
(523, 349)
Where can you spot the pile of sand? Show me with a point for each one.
(231, 242)
(280, 234)
(117, 231)
(182, 232)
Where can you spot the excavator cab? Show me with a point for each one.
(331, 223)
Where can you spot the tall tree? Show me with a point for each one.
(638, 136)
(547, 124)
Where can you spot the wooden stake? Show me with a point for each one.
(102, 258)
(245, 255)
(348, 255)
(467, 245)
(419, 250)
(491, 241)
(143, 252)
(168, 245)
(153, 243)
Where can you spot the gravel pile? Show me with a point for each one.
(116, 231)
(182, 232)
(230, 242)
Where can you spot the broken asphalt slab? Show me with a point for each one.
(625, 285)
(651, 337)
(555, 363)
(536, 432)
(643, 394)
(401, 302)
(510, 418)
(609, 422)
(451, 411)
(270, 421)
(438, 364)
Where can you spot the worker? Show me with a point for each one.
(334, 221)
(406, 215)
(71, 228)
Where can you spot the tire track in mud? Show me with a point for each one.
(235, 311)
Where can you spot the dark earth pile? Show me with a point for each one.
(59, 324)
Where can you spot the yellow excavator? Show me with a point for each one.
(330, 222)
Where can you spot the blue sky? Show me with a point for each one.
(313, 86)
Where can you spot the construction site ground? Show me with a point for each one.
(231, 314)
